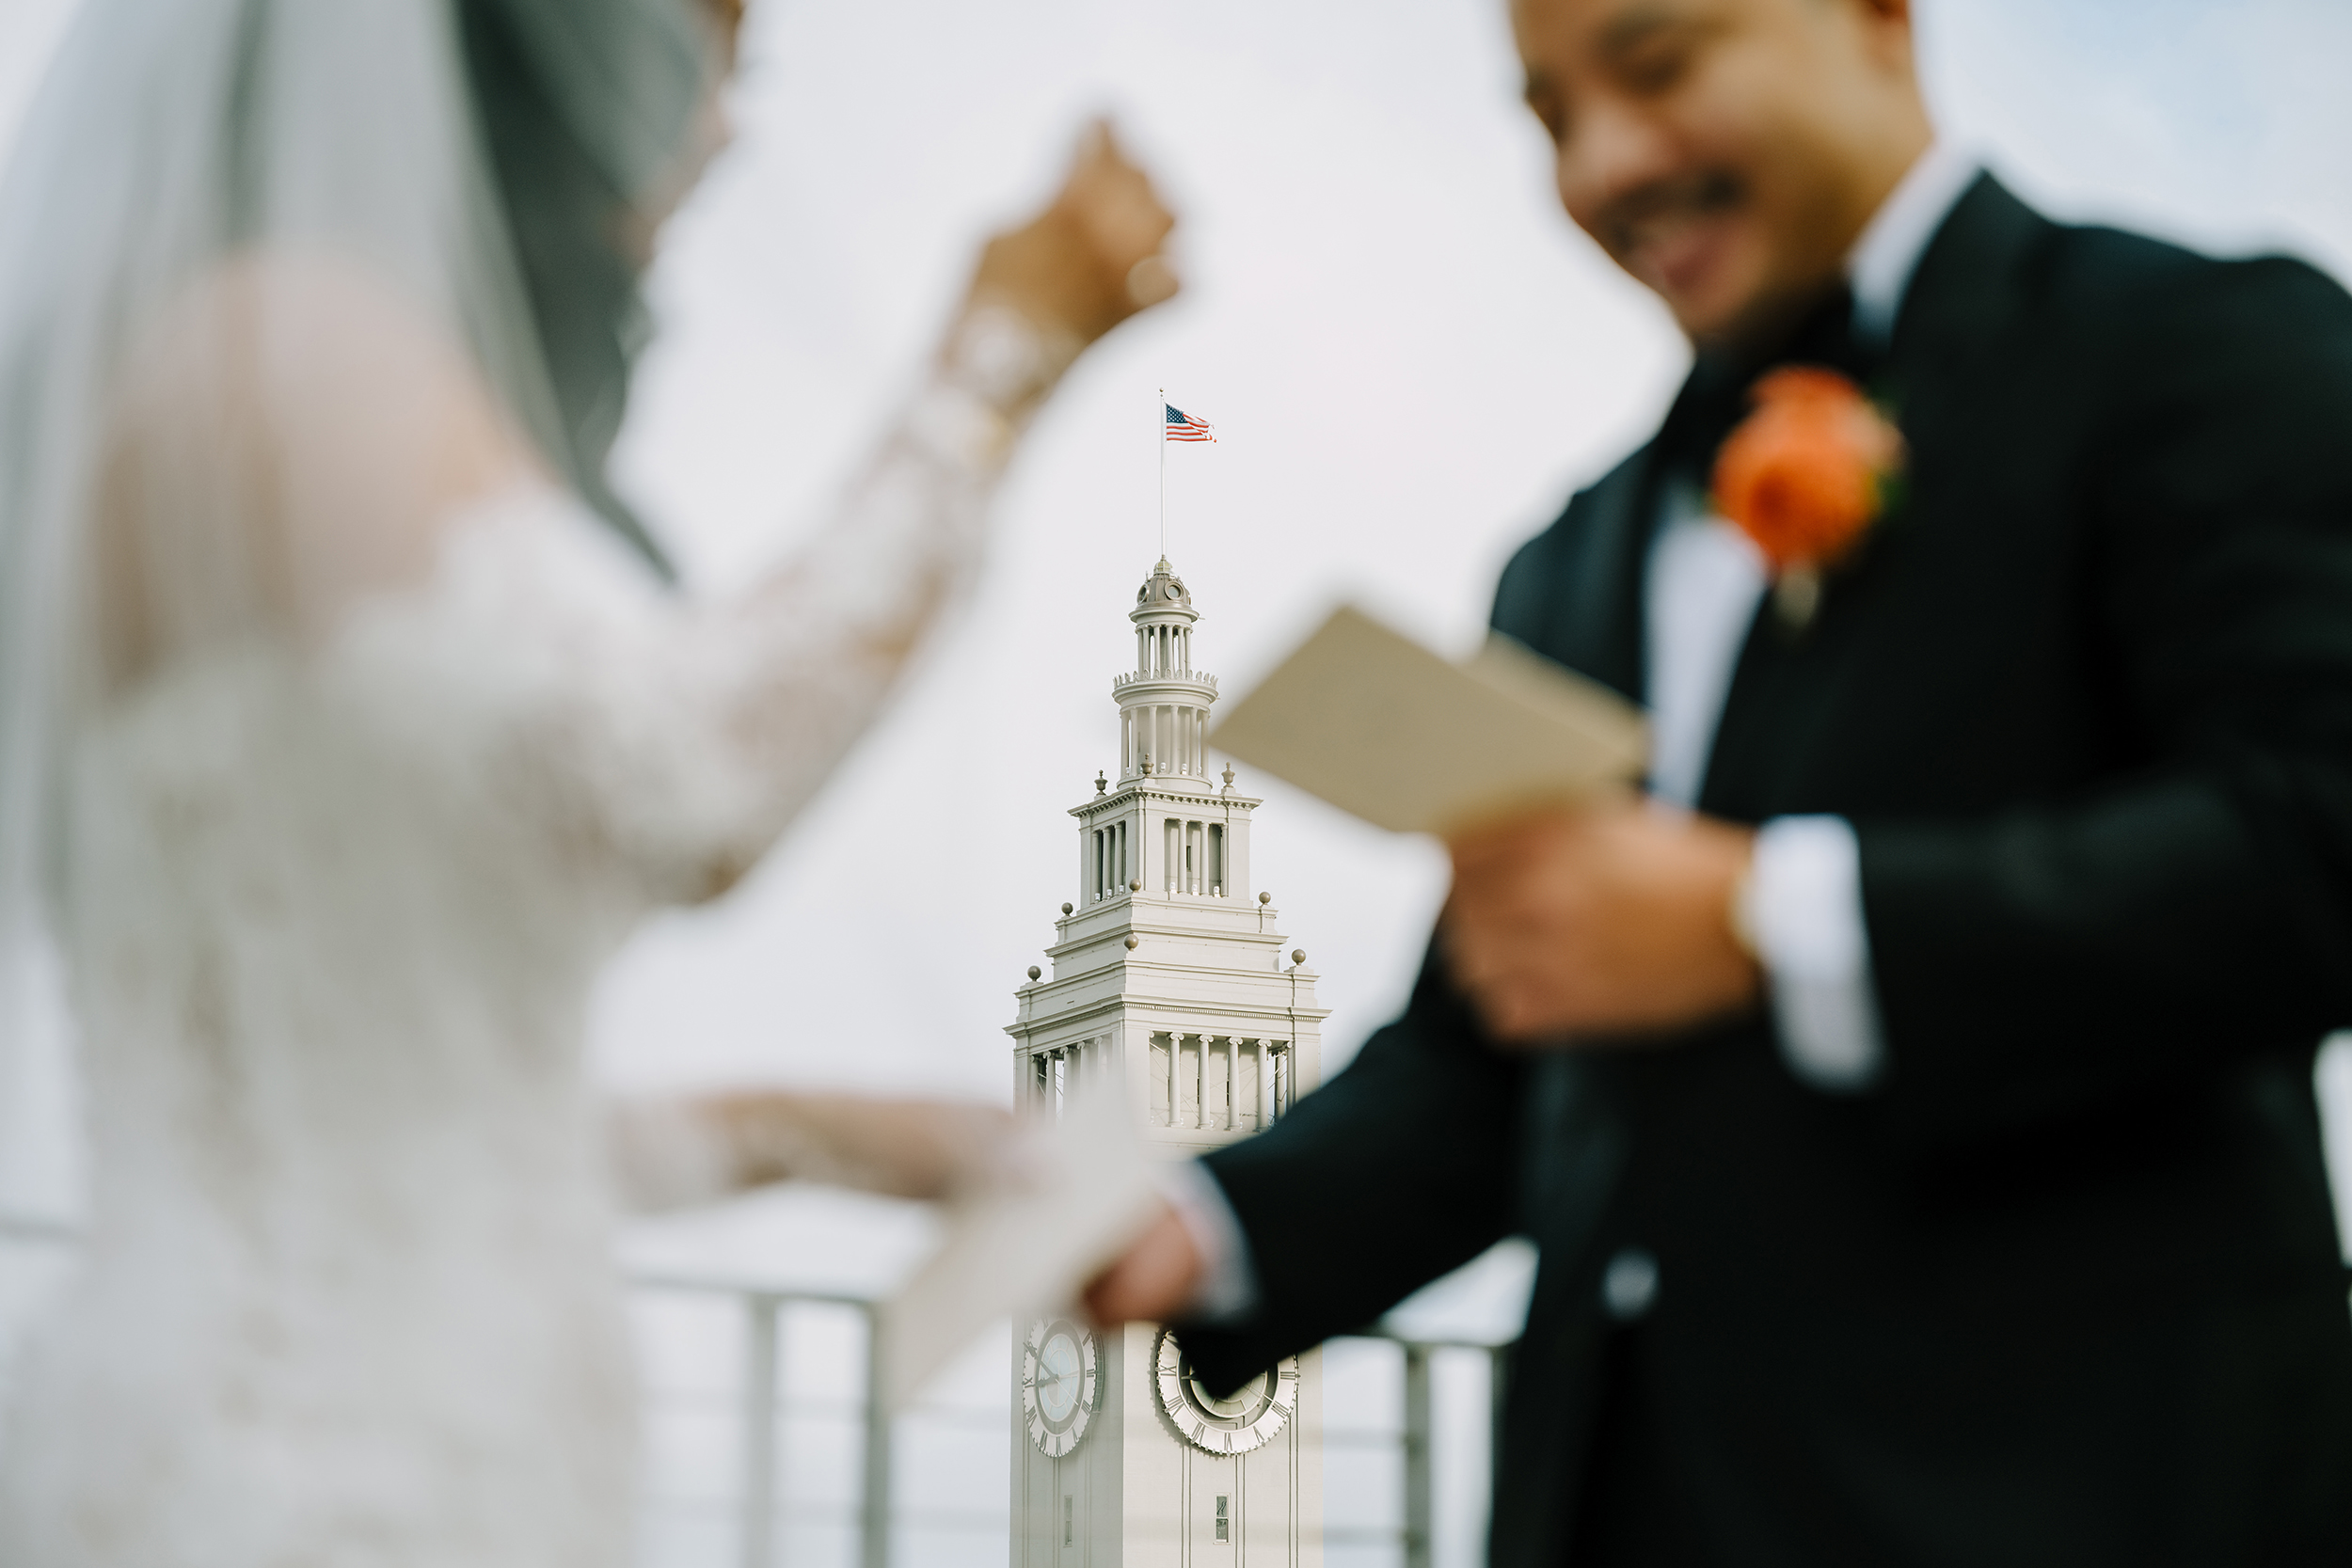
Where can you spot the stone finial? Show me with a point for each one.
(1298, 955)
(1136, 886)
(1134, 942)
(1066, 908)
(1228, 778)
(1265, 898)
(1147, 765)
(1100, 783)
(1035, 972)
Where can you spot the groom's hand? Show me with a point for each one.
(1152, 1281)
(1609, 920)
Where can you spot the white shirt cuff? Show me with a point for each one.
(1229, 1286)
(1802, 904)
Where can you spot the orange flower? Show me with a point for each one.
(1804, 474)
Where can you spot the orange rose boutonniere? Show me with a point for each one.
(1805, 476)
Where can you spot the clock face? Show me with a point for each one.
(1248, 1419)
(1058, 1386)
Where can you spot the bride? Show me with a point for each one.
(347, 723)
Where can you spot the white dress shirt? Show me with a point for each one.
(1801, 902)
(1803, 899)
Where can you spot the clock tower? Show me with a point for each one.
(1168, 974)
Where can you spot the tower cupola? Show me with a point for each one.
(1163, 703)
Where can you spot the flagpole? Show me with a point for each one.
(1162, 421)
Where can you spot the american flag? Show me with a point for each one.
(1183, 427)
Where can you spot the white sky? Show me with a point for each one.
(1409, 355)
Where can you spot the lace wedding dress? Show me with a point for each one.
(346, 728)
(333, 915)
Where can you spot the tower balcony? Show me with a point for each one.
(1190, 681)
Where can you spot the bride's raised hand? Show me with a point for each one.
(813, 650)
(1092, 257)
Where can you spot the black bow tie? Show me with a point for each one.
(1715, 397)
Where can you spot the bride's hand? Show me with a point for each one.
(1091, 258)
(676, 1151)
(920, 1148)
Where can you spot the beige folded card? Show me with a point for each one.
(1379, 726)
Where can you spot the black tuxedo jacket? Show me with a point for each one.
(2065, 1286)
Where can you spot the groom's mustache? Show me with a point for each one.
(1632, 218)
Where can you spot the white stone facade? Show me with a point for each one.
(1167, 971)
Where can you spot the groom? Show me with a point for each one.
(1911, 1100)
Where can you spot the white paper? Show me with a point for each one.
(1381, 727)
(1076, 1195)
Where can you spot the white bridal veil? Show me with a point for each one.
(259, 258)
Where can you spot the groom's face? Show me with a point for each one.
(1726, 152)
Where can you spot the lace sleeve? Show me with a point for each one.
(670, 1152)
(674, 739)
(800, 667)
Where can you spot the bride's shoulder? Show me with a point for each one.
(530, 558)
(309, 431)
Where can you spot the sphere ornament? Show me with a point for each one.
(1253, 1417)
(1134, 942)
(1035, 973)
(1060, 1390)
(1298, 955)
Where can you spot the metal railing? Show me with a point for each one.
(1419, 1436)
(1406, 1433)
(1403, 1423)
(33, 1230)
(758, 1508)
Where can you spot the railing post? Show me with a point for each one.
(1420, 1489)
(874, 1497)
(762, 1330)
(1498, 1403)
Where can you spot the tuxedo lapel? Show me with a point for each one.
(1582, 606)
(1578, 592)
(1969, 285)
(1961, 306)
